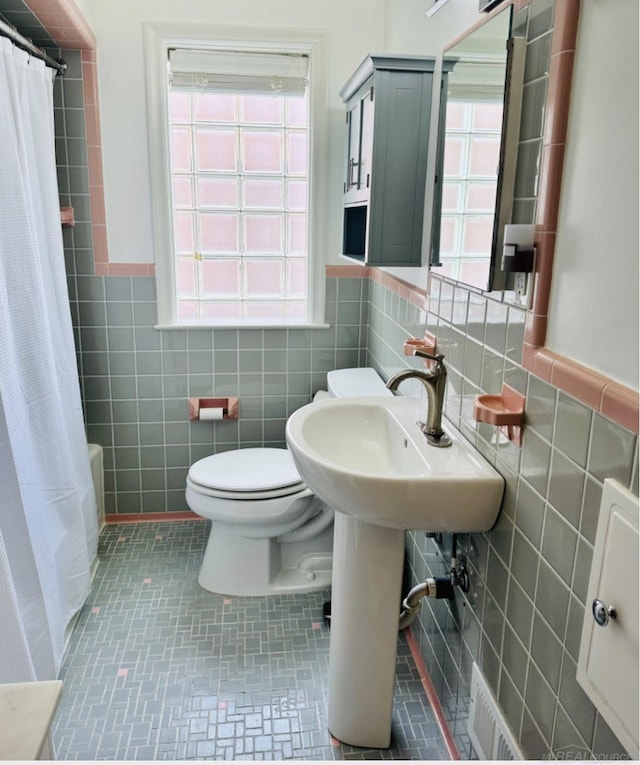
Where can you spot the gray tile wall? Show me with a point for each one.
(137, 380)
(522, 618)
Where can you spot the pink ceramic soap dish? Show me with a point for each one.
(506, 410)
(426, 344)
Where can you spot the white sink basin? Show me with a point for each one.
(367, 458)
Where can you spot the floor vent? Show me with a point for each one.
(489, 731)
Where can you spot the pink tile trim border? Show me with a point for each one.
(350, 272)
(177, 515)
(64, 21)
(620, 404)
(68, 27)
(432, 696)
(535, 357)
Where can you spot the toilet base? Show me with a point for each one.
(235, 565)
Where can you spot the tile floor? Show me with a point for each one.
(159, 669)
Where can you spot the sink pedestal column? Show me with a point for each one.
(365, 608)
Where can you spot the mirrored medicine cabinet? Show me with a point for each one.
(481, 101)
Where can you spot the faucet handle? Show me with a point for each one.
(439, 357)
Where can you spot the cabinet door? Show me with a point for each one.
(396, 200)
(608, 658)
(359, 145)
(353, 147)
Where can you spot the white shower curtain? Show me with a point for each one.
(48, 523)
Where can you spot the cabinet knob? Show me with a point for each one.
(603, 613)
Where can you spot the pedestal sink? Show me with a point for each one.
(368, 459)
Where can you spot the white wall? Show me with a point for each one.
(594, 295)
(354, 28)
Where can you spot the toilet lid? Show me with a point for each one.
(246, 470)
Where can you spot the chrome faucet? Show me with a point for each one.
(434, 381)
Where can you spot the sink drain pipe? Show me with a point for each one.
(435, 587)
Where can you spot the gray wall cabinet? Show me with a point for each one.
(388, 109)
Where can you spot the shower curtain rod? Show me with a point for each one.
(8, 30)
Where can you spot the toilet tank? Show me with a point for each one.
(363, 381)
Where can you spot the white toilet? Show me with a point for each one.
(269, 533)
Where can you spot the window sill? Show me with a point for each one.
(240, 325)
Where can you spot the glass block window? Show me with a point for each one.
(471, 159)
(239, 163)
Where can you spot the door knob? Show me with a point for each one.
(602, 613)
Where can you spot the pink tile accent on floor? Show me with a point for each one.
(222, 705)
(316, 625)
(146, 581)
(227, 601)
(95, 610)
(122, 672)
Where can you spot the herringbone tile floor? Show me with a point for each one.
(160, 669)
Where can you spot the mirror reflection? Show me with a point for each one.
(473, 200)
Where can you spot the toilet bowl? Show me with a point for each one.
(269, 533)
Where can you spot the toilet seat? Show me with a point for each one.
(252, 484)
(246, 474)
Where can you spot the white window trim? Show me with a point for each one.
(158, 38)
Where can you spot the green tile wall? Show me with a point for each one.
(136, 382)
